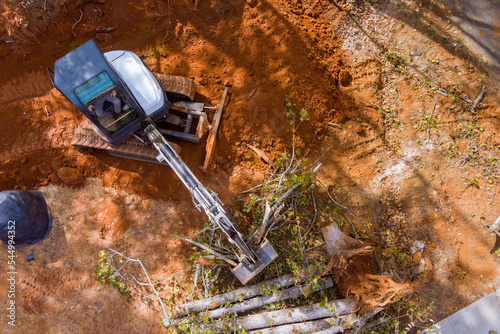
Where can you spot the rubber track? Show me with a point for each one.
(131, 149)
(177, 86)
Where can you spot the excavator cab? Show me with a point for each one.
(86, 77)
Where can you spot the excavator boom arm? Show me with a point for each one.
(202, 196)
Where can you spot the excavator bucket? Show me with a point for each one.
(265, 252)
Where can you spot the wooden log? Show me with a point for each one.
(239, 294)
(330, 325)
(349, 322)
(288, 316)
(213, 134)
(303, 327)
(279, 295)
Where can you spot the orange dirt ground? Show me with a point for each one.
(395, 178)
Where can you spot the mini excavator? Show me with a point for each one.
(152, 106)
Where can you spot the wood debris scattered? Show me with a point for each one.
(261, 154)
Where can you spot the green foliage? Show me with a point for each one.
(405, 317)
(304, 115)
(467, 130)
(250, 203)
(452, 151)
(395, 59)
(105, 273)
(445, 40)
(482, 79)
(429, 122)
(291, 114)
(390, 117)
(474, 183)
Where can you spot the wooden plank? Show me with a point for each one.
(213, 134)
(239, 294)
(289, 316)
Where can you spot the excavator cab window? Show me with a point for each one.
(94, 87)
(117, 115)
(95, 94)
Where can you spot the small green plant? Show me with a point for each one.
(304, 115)
(452, 151)
(395, 59)
(467, 130)
(105, 273)
(497, 252)
(390, 115)
(291, 114)
(429, 122)
(289, 107)
(474, 183)
(482, 79)
(445, 40)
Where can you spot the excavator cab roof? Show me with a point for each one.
(84, 73)
(85, 76)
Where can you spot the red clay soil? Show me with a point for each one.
(257, 50)
(265, 51)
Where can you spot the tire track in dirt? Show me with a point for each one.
(362, 134)
(26, 86)
(35, 117)
(39, 296)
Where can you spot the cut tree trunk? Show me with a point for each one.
(304, 327)
(240, 294)
(265, 300)
(288, 316)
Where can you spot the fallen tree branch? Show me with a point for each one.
(208, 249)
(128, 276)
(260, 232)
(261, 154)
(478, 100)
